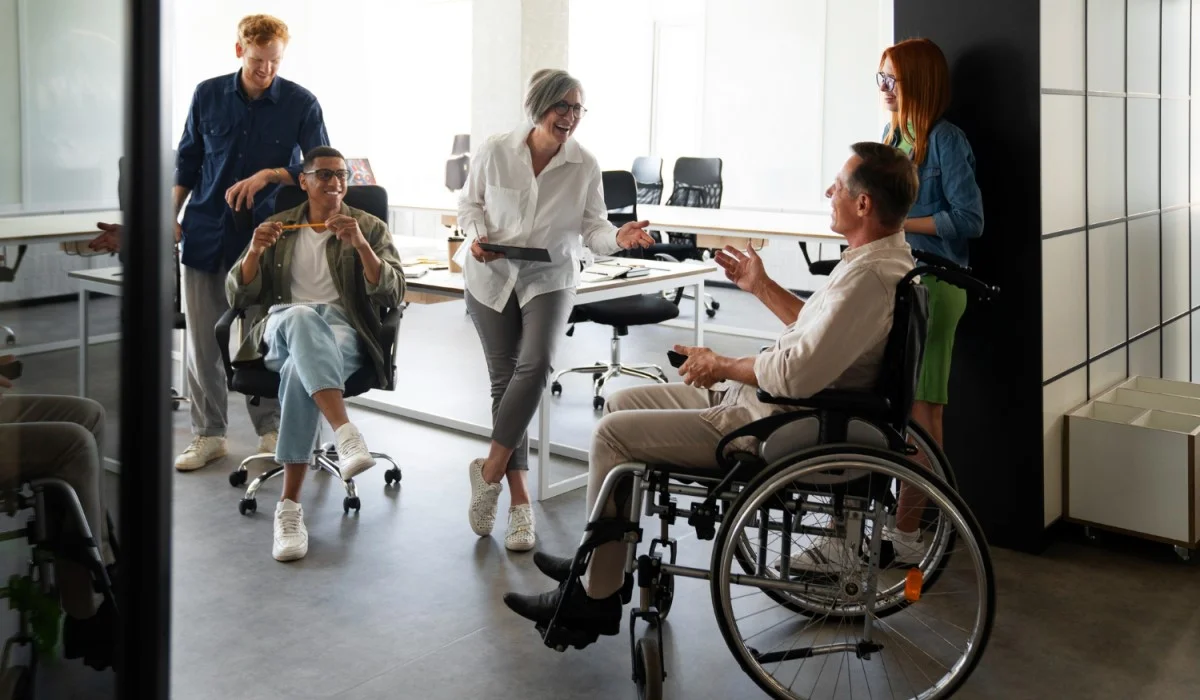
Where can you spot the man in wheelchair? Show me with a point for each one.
(834, 340)
(323, 269)
(52, 443)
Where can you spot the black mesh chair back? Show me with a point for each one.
(620, 196)
(647, 173)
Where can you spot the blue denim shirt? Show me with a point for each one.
(229, 137)
(949, 194)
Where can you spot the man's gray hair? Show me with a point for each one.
(547, 87)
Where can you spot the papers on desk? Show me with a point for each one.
(605, 270)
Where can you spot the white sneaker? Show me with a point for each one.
(353, 456)
(267, 442)
(482, 512)
(203, 450)
(520, 537)
(825, 555)
(908, 547)
(291, 537)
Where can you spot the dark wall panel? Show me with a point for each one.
(994, 423)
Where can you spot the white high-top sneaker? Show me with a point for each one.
(203, 450)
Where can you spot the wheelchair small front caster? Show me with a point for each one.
(350, 503)
(237, 478)
(1183, 553)
(598, 403)
(1089, 533)
(647, 669)
(392, 476)
(556, 388)
(247, 506)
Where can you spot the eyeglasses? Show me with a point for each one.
(325, 174)
(561, 109)
(885, 81)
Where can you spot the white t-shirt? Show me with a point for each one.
(312, 282)
(562, 210)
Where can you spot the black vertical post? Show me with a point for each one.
(993, 424)
(144, 582)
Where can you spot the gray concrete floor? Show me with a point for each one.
(403, 601)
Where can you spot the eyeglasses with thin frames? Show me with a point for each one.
(325, 174)
(561, 109)
(885, 81)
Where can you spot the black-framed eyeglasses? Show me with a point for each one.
(885, 81)
(325, 174)
(561, 109)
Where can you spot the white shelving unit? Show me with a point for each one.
(1131, 462)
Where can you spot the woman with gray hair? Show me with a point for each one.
(534, 187)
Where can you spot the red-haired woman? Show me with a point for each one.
(914, 80)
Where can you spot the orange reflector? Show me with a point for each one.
(913, 583)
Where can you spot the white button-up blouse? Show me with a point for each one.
(561, 210)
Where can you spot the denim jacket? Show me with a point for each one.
(949, 194)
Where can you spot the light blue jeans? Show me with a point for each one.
(313, 347)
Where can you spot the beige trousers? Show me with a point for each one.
(654, 424)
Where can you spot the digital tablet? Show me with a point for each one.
(516, 252)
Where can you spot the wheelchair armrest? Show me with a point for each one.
(834, 400)
(222, 329)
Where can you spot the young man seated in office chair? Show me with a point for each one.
(59, 437)
(834, 340)
(323, 269)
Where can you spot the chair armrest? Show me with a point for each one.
(822, 267)
(834, 400)
(388, 333)
(222, 329)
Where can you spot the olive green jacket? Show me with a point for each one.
(360, 299)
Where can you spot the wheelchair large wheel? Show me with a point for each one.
(750, 554)
(933, 636)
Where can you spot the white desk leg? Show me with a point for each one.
(699, 324)
(84, 336)
(542, 490)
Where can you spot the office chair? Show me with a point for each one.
(459, 163)
(620, 198)
(255, 380)
(9, 274)
(698, 183)
(647, 172)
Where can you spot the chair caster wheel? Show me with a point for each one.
(237, 478)
(710, 312)
(715, 305)
(598, 403)
(10, 340)
(174, 405)
(247, 506)
(349, 504)
(556, 389)
(1183, 553)
(392, 475)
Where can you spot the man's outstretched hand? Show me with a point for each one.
(745, 269)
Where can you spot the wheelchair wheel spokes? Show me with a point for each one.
(862, 626)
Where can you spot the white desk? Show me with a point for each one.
(106, 280)
(54, 228)
(443, 283)
(742, 223)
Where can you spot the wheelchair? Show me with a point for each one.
(46, 544)
(842, 469)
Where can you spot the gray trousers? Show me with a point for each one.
(204, 302)
(519, 345)
(59, 437)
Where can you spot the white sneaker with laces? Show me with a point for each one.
(826, 555)
(353, 456)
(267, 442)
(203, 450)
(520, 536)
(482, 511)
(291, 537)
(908, 547)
